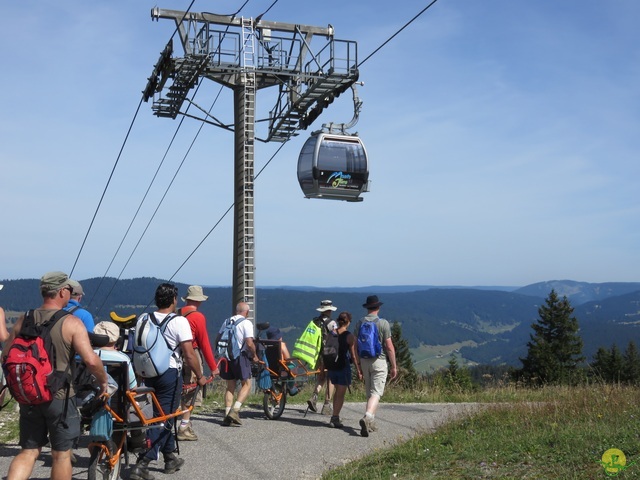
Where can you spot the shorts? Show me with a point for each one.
(341, 377)
(237, 369)
(38, 421)
(189, 377)
(375, 372)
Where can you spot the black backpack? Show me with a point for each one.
(331, 352)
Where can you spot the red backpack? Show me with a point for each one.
(29, 365)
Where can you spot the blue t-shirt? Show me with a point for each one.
(82, 314)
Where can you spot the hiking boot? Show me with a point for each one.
(226, 421)
(312, 403)
(335, 422)
(187, 434)
(327, 409)
(172, 463)
(141, 471)
(365, 426)
(373, 426)
(234, 416)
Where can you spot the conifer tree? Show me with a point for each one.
(407, 375)
(457, 378)
(631, 364)
(555, 349)
(601, 364)
(616, 365)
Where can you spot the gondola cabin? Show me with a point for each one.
(333, 166)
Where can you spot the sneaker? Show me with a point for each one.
(365, 426)
(234, 416)
(335, 422)
(312, 403)
(187, 434)
(141, 472)
(327, 409)
(172, 463)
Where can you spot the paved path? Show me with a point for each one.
(293, 446)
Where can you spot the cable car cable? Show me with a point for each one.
(392, 36)
(152, 181)
(184, 158)
(106, 187)
(223, 215)
(95, 214)
(175, 134)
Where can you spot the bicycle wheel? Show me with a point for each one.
(274, 401)
(99, 467)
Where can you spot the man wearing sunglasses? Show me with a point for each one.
(56, 421)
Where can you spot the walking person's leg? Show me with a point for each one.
(378, 371)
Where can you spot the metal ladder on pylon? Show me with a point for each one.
(246, 272)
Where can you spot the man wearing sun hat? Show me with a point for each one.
(57, 421)
(375, 370)
(202, 347)
(308, 348)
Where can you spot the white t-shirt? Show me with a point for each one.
(177, 331)
(244, 330)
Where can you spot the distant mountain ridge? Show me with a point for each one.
(487, 326)
(580, 292)
(386, 288)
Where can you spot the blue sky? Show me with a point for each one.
(503, 139)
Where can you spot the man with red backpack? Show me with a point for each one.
(57, 417)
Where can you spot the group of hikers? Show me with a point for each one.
(63, 327)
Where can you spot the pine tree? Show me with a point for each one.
(407, 375)
(631, 364)
(555, 349)
(457, 378)
(616, 365)
(602, 364)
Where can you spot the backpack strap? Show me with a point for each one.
(45, 332)
(162, 326)
(185, 315)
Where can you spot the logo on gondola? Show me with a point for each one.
(339, 179)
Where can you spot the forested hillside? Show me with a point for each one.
(485, 326)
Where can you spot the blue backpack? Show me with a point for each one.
(369, 345)
(228, 344)
(151, 351)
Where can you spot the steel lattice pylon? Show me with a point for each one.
(247, 55)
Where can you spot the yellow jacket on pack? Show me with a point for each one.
(307, 347)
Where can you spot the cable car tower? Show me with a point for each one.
(247, 55)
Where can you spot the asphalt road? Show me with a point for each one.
(292, 447)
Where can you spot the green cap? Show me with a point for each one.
(54, 281)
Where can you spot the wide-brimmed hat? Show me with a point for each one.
(53, 281)
(372, 302)
(195, 293)
(109, 329)
(326, 305)
(77, 288)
